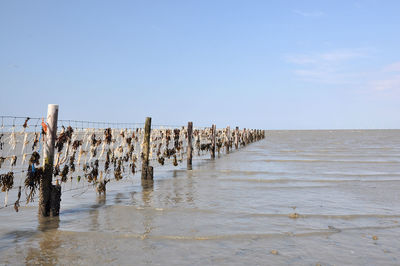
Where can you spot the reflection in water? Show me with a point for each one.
(48, 244)
(190, 189)
(147, 192)
(118, 198)
(101, 199)
(48, 223)
(94, 212)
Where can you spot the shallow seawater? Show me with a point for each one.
(345, 186)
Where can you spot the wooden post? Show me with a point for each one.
(213, 132)
(243, 140)
(228, 136)
(49, 194)
(237, 138)
(150, 172)
(189, 145)
(146, 149)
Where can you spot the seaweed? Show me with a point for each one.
(159, 149)
(129, 153)
(14, 161)
(117, 171)
(205, 147)
(64, 173)
(7, 181)
(169, 152)
(71, 162)
(95, 142)
(108, 158)
(35, 140)
(64, 137)
(108, 135)
(92, 175)
(32, 180)
(219, 145)
(25, 125)
(1, 143)
(56, 170)
(133, 164)
(2, 159)
(101, 187)
(76, 144)
(34, 158)
(93, 139)
(93, 151)
(16, 204)
(176, 138)
(161, 160)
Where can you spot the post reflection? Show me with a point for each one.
(147, 191)
(147, 194)
(49, 242)
(94, 212)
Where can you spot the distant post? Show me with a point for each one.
(228, 138)
(49, 195)
(146, 171)
(213, 132)
(189, 145)
(236, 138)
(243, 142)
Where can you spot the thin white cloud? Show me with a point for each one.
(389, 84)
(327, 57)
(327, 67)
(337, 67)
(312, 14)
(388, 81)
(394, 67)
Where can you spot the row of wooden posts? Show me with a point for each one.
(50, 195)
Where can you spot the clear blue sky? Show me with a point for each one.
(262, 64)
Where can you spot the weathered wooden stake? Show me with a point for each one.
(228, 136)
(236, 138)
(146, 150)
(49, 194)
(150, 172)
(189, 145)
(213, 132)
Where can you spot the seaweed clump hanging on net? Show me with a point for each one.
(33, 176)
(16, 204)
(108, 135)
(2, 160)
(64, 137)
(35, 140)
(64, 173)
(108, 159)
(1, 143)
(133, 164)
(75, 146)
(117, 170)
(6, 181)
(93, 173)
(101, 187)
(25, 125)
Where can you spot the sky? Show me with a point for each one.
(254, 64)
